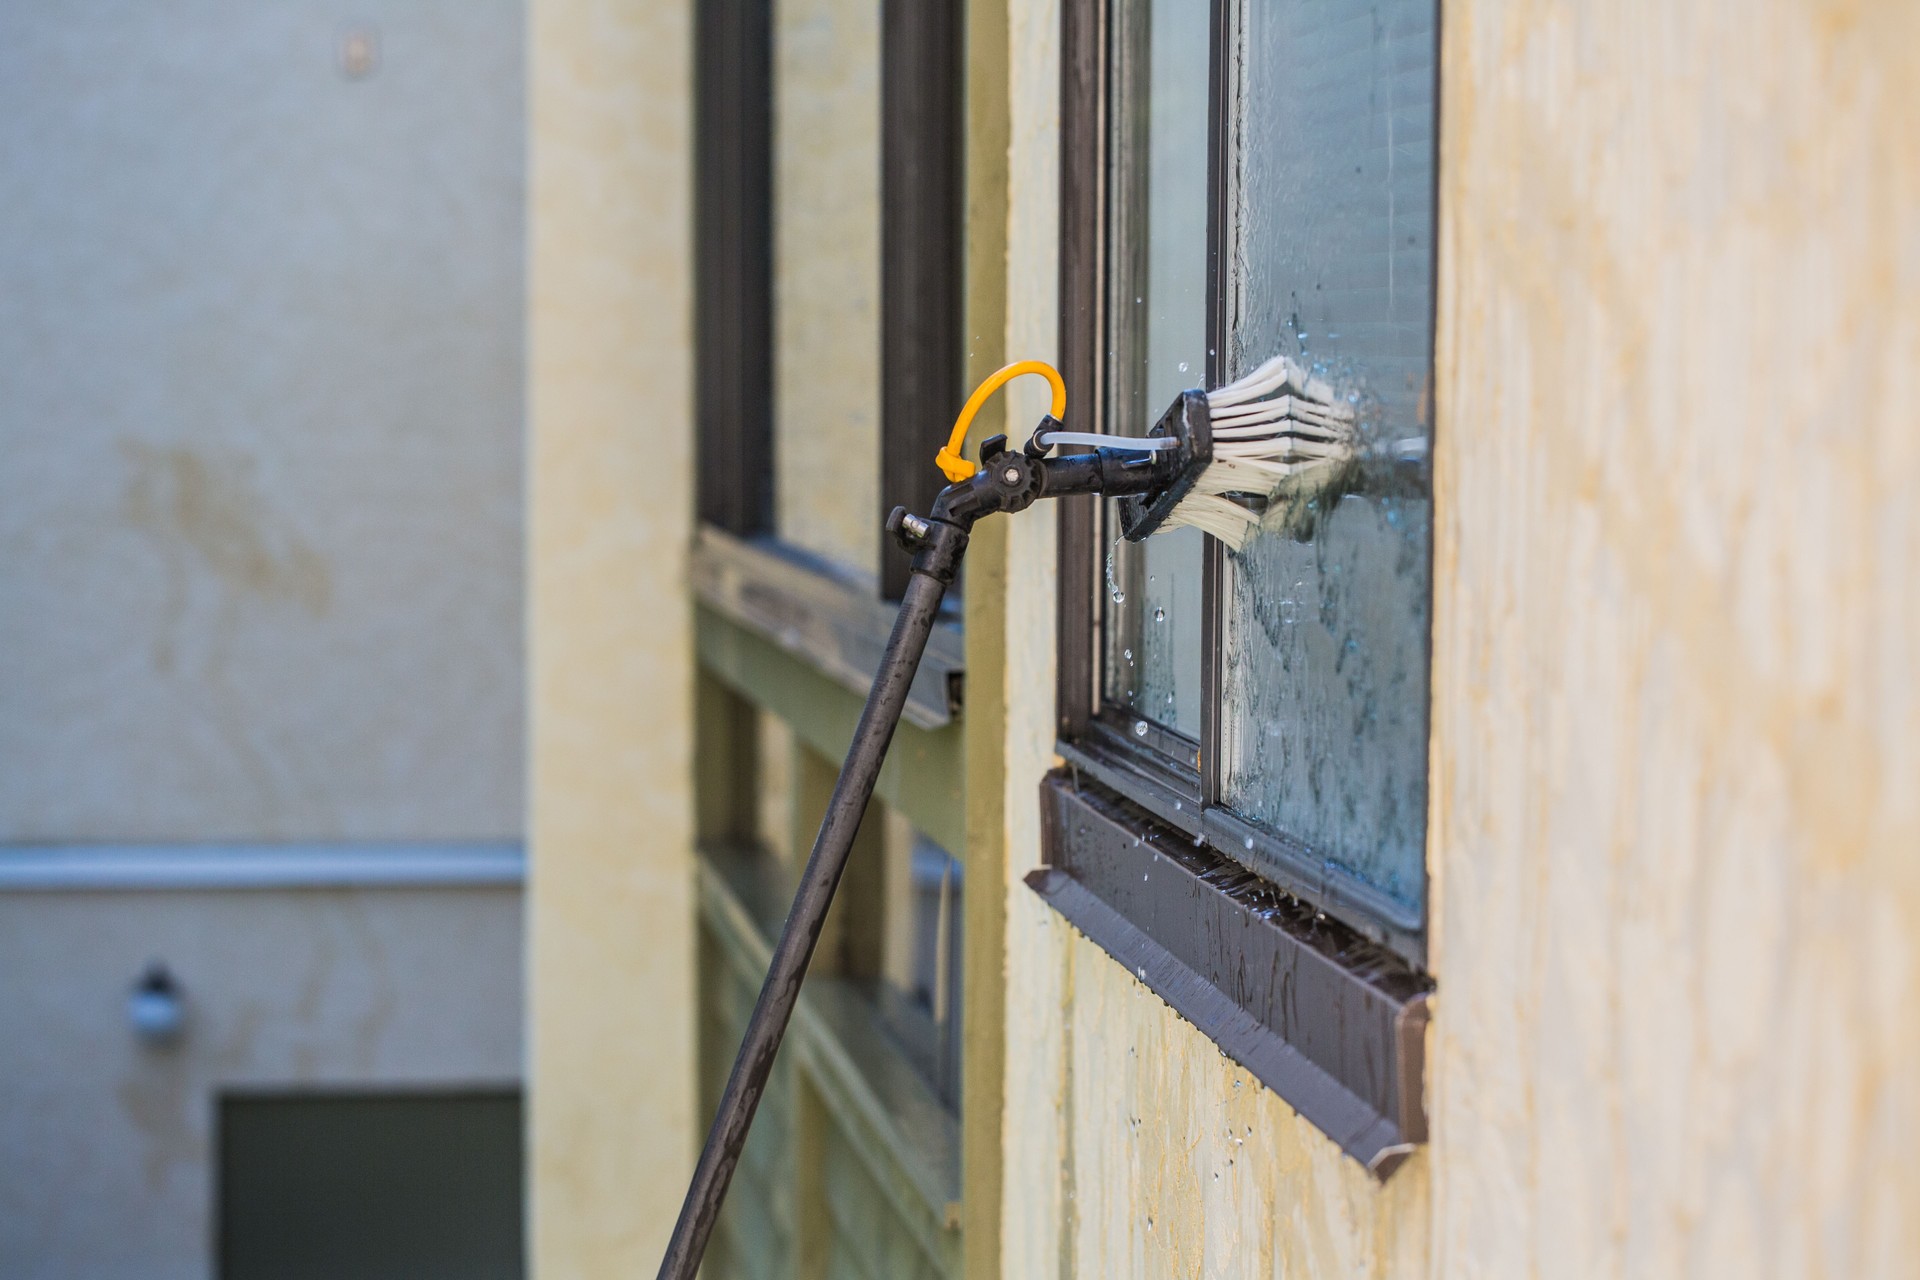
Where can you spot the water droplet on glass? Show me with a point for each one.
(1249, 842)
(1139, 728)
(1169, 699)
(1183, 366)
(1159, 615)
(1113, 584)
(1127, 654)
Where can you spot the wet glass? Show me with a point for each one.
(1158, 341)
(1324, 733)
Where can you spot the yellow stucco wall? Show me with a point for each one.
(1676, 846)
(1676, 718)
(610, 912)
(1676, 725)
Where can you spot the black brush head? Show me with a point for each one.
(1188, 421)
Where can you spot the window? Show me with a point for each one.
(828, 356)
(828, 249)
(1243, 180)
(1157, 299)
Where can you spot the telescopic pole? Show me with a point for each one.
(940, 547)
(1006, 481)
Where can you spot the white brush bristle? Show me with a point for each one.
(1276, 423)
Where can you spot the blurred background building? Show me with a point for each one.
(261, 609)
(443, 445)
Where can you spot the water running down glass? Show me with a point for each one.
(1325, 677)
(1152, 606)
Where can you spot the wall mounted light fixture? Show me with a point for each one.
(155, 1008)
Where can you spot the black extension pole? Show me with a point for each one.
(940, 545)
(1007, 482)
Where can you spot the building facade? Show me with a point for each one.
(446, 450)
(1632, 807)
(261, 321)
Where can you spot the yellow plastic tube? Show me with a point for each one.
(957, 468)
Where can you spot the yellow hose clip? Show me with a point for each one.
(957, 468)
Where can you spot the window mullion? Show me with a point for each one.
(1214, 583)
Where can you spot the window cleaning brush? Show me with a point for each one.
(1277, 430)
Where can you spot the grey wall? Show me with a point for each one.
(261, 326)
(108, 1143)
(260, 413)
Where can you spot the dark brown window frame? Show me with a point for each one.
(1343, 1045)
(800, 602)
(733, 264)
(922, 229)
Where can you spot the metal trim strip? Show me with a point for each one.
(38, 868)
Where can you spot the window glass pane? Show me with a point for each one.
(921, 954)
(1159, 270)
(826, 285)
(774, 821)
(1325, 733)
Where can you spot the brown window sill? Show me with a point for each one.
(1332, 1023)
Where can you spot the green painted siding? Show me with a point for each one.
(922, 777)
(848, 1172)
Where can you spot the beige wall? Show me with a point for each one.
(610, 916)
(260, 338)
(826, 281)
(1676, 725)
(110, 1160)
(260, 584)
(1675, 721)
